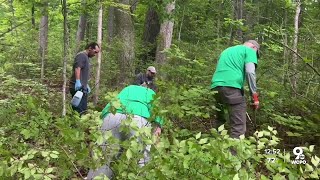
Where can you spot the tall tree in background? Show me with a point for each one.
(125, 33)
(150, 34)
(12, 19)
(97, 81)
(166, 30)
(65, 54)
(81, 25)
(295, 45)
(33, 21)
(43, 36)
(238, 15)
(111, 25)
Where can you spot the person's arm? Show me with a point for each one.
(77, 72)
(79, 63)
(138, 79)
(251, 78)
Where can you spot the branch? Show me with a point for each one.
(11, 29)
(295, 92)
(71, 161)
(297, 55)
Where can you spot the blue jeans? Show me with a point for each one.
(83, 106)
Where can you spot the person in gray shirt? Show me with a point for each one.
(147, 78)
(81, 74)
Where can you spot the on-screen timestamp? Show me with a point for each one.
(272, 154)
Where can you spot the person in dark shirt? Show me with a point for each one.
(81, 74)
(147, 78)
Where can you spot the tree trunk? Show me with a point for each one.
(97, 82)
(43, 36)
(12, 19)
(285, 50)
(125, 33)
(81, 26)
(111, 25)
(65, 54)
(166, 30)
(33, 21)
(295, 46)
(151, 31)
(238, 15)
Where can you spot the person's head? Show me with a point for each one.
(92, 49)
(254, 45)
(151, 71)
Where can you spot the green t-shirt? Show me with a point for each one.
(135, 100)
(230, 70)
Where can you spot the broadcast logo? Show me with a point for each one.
(300, 158)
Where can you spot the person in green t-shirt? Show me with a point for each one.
(135, 101)
(236, 64)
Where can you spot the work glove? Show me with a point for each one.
(88, 89)
(255, 101)
(77, 85)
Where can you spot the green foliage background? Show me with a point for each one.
(37, 143)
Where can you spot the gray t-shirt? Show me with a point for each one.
(81, 60)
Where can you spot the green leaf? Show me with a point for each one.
(272, 142)
(26, 133)
(270, 128)
(203, 141)
(198, 135)
(311, 148)
(27, 174)
(236, 177)
(49, 170)
(54, 156)
(55, 152)
(129, 154)
(224, 132)
(242, 137)
(263, 177)
(260, 134)
(309, 168)
(314, 175)
(44, 153)
(221, 128)
(315, 160)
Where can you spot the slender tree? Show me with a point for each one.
(65, 54)
(97, 82)
(33, 21)
(166, 31)
(295, 45)
(125, 33)
(238, 15)
(150, 34)
(81, 25)
(43, 36)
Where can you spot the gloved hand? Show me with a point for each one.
(255, 101)
(88, 89)
(77, 85)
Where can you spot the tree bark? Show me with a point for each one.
(295, 45)
(65, 54)
(12, 20)
(97, 82)
(166, 31)
(43, 37)
(81, 26)
(238, 15)
(151, 31)
(33, 21)
(111, 25)
(125, 33)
